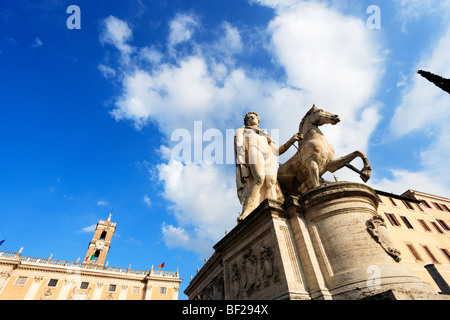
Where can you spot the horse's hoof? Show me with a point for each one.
(365, 176)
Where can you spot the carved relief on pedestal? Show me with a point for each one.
(235, 281)
(380, 233)
(267, 266)
(252, 273)
(213, 291)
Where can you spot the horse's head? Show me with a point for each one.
(320, 117)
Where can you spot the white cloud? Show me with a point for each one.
(102, 203)
(424, 109)
(412, 9)
(403, 180)
(90, 228)
(203, 200)
(147, 200)
(423, 104)
(335, 61)
(182, 28)
(37, 43)
(106, 71)
(116, 32)
(151, 55)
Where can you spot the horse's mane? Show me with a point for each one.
(300, 127)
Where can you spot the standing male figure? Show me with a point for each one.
(256, 164)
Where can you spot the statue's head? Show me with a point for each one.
(249, 116)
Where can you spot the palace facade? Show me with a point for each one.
(28, 278)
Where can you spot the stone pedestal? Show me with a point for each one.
(352, 244)
(328, 243)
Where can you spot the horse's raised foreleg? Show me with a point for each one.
(337, 164)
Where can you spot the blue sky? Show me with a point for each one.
(88, 115)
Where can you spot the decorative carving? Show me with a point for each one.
(251, 271)
(213, 291)
(68, 282)
(78, 294)
(109, 297)
(252, 281)
(268, 269)
(235, 281)
(377, 228)
(47, 295)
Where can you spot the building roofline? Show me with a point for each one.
(396, 196)
(424, 194)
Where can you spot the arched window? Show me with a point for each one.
(103, 235)
(96, 254)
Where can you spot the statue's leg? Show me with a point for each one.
(271, 173)
(258, 173)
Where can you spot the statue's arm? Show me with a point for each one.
(288, 144)
(239, 146)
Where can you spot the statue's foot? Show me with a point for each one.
(242, 217)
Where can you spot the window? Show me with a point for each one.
(436, 226)
(426, 204)
(392, 219)
(163, 290)
(427, 250)
(52, 283)
(446, 253)
(408, 205)
(443, 224)
(112, 288)
(103, 235)
(420, 207)
(393, 202)
(414, 252)
(135, 290)
(21, 281)
(406, 222)
(84, 285)
(445, 207)
(379, 199)
(96, 254)
(438, 206)
(424, 225)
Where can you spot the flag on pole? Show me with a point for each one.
(1, 242)
(89, 258)
(161, 265)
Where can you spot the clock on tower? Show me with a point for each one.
(101, 242)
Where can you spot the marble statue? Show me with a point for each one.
(256, 165)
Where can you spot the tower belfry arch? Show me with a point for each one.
(100, 244)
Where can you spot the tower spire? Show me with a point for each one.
(110, 214)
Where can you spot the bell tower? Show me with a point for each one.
(101, 241)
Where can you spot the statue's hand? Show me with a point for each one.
(296, 137)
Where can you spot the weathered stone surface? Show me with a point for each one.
(320, 245)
